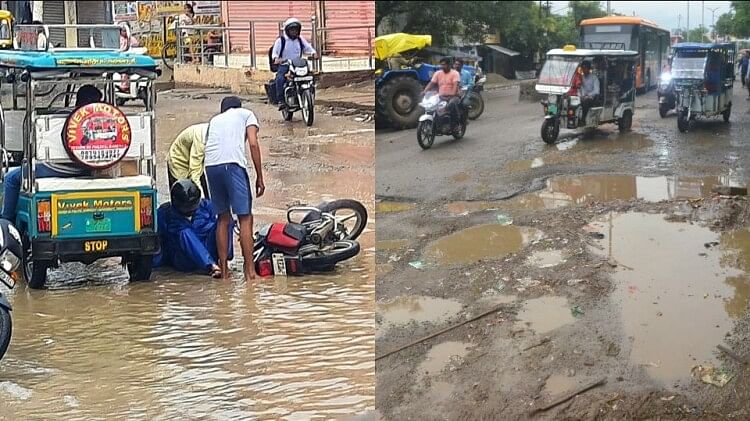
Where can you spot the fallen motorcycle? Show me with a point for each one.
(315, 241)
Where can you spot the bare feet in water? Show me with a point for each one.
(249, 271)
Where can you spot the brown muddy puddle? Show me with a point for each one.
(441, 356)
(490, 241)
(581, 190)
(407, 309)
(545, 258)
(545, 314)
(187, 347)
(558, 384)
(389, 207)
(678, 288)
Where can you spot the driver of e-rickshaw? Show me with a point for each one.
(590, 93)
(87, 94)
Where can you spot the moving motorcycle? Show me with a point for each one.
(436, 121)
(666, 94)
(299, 91)
(136, 89)
(475, 100)
(10, 271)
(324, 236)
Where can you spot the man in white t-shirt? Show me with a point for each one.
(226, 172)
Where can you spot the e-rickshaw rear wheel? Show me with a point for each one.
(35, 272)
(139, 268)
(727, 113)
(550, 130)
(683, 125)
(625, 122)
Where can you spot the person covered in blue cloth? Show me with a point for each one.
(187, 230)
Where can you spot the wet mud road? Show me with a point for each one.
(605, 257)
(93, 346)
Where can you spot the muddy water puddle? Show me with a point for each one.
(678, 288)
(545, 258)
(407, 309)
(545, 314)
(441, 356)
(558, 384)
(392, 207)
(490, 241)
(391, 245)
(185, 347)
(580, 190)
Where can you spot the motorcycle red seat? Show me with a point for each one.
(285, 236)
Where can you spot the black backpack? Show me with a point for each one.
(275, 67)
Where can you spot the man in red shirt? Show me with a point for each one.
(447, 81)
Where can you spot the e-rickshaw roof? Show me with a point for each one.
(696, 46)
(78, 59)
(591, 53)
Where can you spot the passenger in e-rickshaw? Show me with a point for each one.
(87, 94)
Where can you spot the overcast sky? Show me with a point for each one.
(665, 13)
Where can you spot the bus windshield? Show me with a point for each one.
(607, 34)
(559, 70)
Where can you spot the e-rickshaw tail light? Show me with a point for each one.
(43, 216)
(147, 211)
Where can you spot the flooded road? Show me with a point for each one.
(93, 346)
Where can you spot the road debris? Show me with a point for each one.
(570, 396)
(711, 375)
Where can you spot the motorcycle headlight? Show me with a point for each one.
(575, 101)
(552, 99)
(300, 71)
(666, 77)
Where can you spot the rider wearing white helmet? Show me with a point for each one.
(288, 46)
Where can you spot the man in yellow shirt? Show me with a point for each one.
(186, 154)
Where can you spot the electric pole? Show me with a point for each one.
(703, 9)
(609, 8)
(688, 23)
(713, 22)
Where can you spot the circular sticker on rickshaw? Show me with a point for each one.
(97, 135)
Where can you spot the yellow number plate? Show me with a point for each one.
(94, 246)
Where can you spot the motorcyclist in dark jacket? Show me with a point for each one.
(187, 230)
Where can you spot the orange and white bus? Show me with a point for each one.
(631, 33)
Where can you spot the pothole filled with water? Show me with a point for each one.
(545, 314)
(490, 241)
(678, 287)
(407, 309)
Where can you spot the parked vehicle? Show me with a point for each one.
(314, 241)
(563, 105)
(10, 272)
(6, 29)
(82, 219)
(137, 87)
(299, 91)
(703, 75)
(475, 101)
(436, 121)
(666, 94)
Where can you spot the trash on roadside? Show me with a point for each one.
(417, 264)
(596, 235)
(711, 244)
(667, 398)
(503, 219)
(576, 311)
(572, 282)
(711, 375)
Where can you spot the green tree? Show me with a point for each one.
(699, 34)
(724, 26)
(741, 24)
(581, 10)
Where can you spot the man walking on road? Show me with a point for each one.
(743, 66)
(186, 155)
(226, 171)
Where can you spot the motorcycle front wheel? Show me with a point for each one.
(308, 108)
(6, 329)
(426, 134)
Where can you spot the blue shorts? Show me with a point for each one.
(230, 189)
